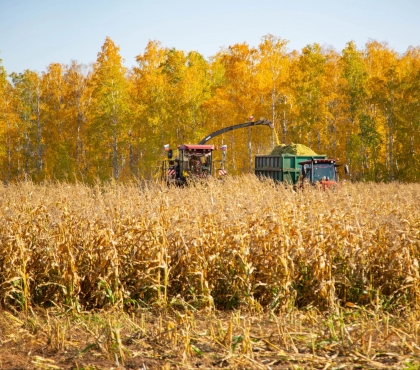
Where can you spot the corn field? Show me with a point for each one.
(224, 245)
(236, 274)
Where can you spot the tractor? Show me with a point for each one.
(321, 172)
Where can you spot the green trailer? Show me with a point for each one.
(282, 168)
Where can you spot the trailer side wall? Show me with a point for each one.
(281, 168)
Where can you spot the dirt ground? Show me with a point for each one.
(202, 340)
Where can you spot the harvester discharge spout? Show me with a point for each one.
(235, 127)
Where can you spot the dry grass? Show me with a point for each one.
(341, 268)
(344, 339)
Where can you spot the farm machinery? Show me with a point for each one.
(195, 161)
(320, 171)
(299, 170)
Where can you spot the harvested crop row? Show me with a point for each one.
(292, 149)
(241, 242)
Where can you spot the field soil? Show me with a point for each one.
(348, 339)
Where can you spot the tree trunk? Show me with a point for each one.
(273, 116)
(284, 127)
(250, 149)
(40, 151)
(115, 167)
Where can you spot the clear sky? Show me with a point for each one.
(35, 33)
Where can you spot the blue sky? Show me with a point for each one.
(35, 33)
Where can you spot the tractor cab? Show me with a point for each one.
(321, 171)
(194, 162)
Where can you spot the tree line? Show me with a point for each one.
(101, 122)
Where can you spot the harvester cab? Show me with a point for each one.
(320, 172)
(195, 161)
